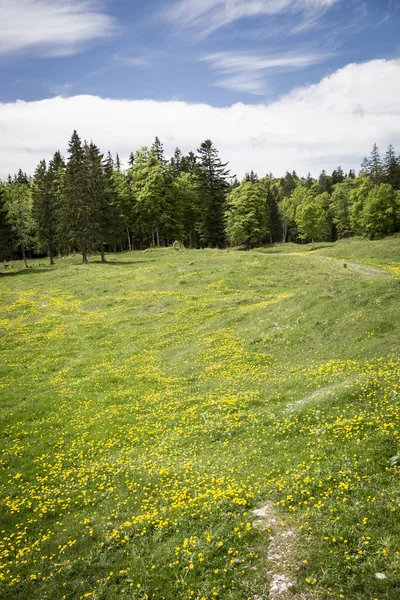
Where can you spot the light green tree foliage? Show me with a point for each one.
(358, 196)
(19, 215)
(286, 215)
(246, 218)
(311, 218)
(381, 211)
(340, 207)
(287, 209)
(146, 189)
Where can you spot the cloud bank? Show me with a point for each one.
(334, 122)
(51, 27)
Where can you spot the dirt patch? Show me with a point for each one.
(281, 556)
(364, 270)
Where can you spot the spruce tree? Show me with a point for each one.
(374, 166)
(6, 239)
(211, 178)
(391, 168)
(80, 211)
(336, 177)
(175, 162)
(325, 182)
(45, 207)
(158, 150)
(189, 163)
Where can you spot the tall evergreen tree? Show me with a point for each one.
(251, 176)
(325, 182)
(189, 163)
(212, 187)
(176, 161)
(80, 209)
(6, 240)
(374, 165)
(158, 150)
(45, 206)
(391, 168)
(336, 177)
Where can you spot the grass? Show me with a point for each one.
(149, 404)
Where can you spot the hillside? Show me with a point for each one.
(151, 403)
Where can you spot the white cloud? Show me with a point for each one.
(207, 16)
(246, 72)
(332, 122)
(51, 27)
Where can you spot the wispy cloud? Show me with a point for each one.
(247, 72)
(133, 61)
(205, 17)
(52, 27)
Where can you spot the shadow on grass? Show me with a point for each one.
(122, 262)
(13, 273)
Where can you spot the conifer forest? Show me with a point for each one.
(88, 202)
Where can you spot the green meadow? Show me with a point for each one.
(150, 404)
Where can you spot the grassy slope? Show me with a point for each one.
(150, 403)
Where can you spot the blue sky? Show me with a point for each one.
(276, 84)
(221, 53)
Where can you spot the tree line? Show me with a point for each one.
(88, 203)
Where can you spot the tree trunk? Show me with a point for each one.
(103, 258)
(152, 235)
(50, 252)
(24, 257)
(270, 238)
(313, 244)
(84, 256)
(284, 234)
(158, 234)
(129, 238)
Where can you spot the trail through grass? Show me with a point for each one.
(151, 403)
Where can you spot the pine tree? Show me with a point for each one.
(391, 168)
(336, 177)
(325, 183)
(374, 165)
(252, 177)
(271, 196)
(189, 163)
(175, 162)
(212, 186)
(288, 184)
(45, 206)
(158, 149)
(80, 210)
(6, 240)
(111, 223)
(185, 191)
